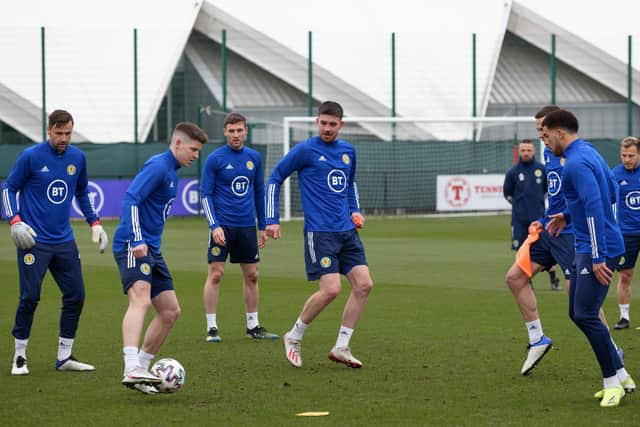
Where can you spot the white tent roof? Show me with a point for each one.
(89, 47)
(352, 39)
(89, 60)
(590, 38)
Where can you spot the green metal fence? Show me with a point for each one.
(187, 97)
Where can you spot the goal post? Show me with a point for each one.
(411, 150)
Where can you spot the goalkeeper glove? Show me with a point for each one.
(22, 235)
(99, 236)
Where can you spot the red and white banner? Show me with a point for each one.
(470, 193)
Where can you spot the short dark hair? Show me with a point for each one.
(561, 119)
(526, 141)
(331, 108)
(193, 131)
(544, 111)
(59, 118)
(233, 118)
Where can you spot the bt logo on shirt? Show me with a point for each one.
(555, 183)
(632, 200)
(57, 191)
(337, 180)
(240, 185)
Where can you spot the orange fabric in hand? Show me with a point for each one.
(523, 257)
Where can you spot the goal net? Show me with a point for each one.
(399, 159)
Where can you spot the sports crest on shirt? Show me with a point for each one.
(345, 159)
(250, 165)
(71, 170)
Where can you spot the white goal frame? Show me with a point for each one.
(289, 120)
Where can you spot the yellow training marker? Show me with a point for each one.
(313, 414)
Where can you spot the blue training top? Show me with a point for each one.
(326, 176)
(555, 191)
(147, 203)
(629, 199)
(47, 181)
(591, 193)
(232, 188)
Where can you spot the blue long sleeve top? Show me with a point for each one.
(591, 193)
(46, 182)
(232, 188)
(326, 176)
(555, 192)
(629, 199)
(147, 203)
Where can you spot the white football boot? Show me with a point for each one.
(343, 355)
(73, 364)
(139, 375)
(535, 353)
(292, 349)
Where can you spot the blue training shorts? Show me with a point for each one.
(242, 246)
(332, 252)
(151, 269)
(549, 250)
(632, 247)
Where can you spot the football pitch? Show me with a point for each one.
(441, 340)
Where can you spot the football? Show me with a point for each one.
(172, 374)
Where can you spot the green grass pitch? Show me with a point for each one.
(441, 340)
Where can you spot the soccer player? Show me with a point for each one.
(48, 176)
(232, 191)
(546, 251)
(627, 175)
(326, 167)
(591, 194)
(525, 187)
(136, 248)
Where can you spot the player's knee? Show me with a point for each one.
(364, 287)
(515, 279)
(74, 299)
(28, 305)
(625, 277)
(583, 318)
(332, 292)
(75, 305)
(170, 316)
(214, 277)
(252, 278)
